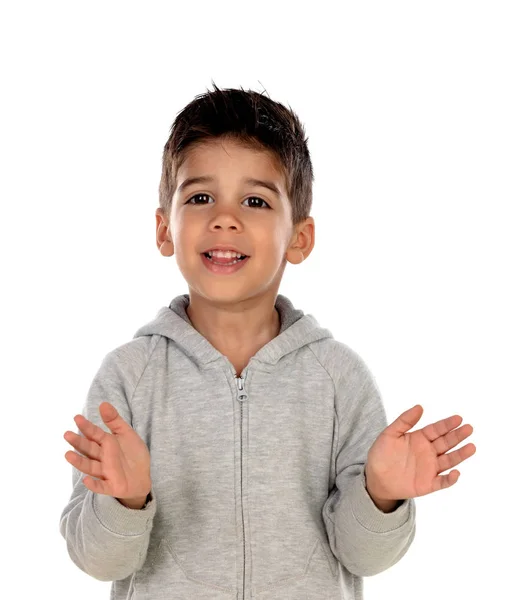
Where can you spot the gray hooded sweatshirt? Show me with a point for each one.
(258, 489)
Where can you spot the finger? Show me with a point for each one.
(445, 481)
(97, 485)
(405, 421)
(452, 439)
(112, 418)
(83, 464)
(89, 429)
(84, 445)
(447, 461)
(442, 427)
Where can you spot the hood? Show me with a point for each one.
(297, 330)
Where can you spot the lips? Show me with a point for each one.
(224, 268)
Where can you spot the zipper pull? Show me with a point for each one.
(241, 394)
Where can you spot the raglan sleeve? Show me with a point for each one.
(363, 538)
(105, 539)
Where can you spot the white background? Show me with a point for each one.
(404, 107)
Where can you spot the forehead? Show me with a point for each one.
(226, 160)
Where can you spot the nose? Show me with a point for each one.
(226, 220)
(219, 226)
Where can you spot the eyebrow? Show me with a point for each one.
(247, 180)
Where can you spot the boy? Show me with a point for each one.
(233, 449)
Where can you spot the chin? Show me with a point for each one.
(222, 293)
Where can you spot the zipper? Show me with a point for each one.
(241, 397)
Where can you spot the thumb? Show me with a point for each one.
(405, 421)
(112, 418)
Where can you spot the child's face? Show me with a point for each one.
(222, 214)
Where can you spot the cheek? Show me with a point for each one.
(186, 234)
(271, 246)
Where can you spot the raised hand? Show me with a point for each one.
(403, 465)
(120, 460)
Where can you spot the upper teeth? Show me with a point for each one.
(225, 253)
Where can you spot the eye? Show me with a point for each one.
(261, 200)
(189, 201)
(196, 196)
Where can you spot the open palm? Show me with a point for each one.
(119, 460)
(404, 465)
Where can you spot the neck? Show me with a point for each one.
(241, 327)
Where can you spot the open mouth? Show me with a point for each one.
(221, 265)
(224, 262)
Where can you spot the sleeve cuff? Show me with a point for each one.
(370, 516)
(120, 519)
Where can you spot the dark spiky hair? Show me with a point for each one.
(253, 120)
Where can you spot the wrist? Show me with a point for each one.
(384, 504)
(135, 503)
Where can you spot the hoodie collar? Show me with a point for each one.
(296, 330)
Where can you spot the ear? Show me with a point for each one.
(301, 242)
(163, 235)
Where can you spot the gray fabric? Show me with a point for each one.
(257, 494)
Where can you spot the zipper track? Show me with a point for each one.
(241, 397)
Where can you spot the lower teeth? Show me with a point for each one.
(234, 262)
(225, 264)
